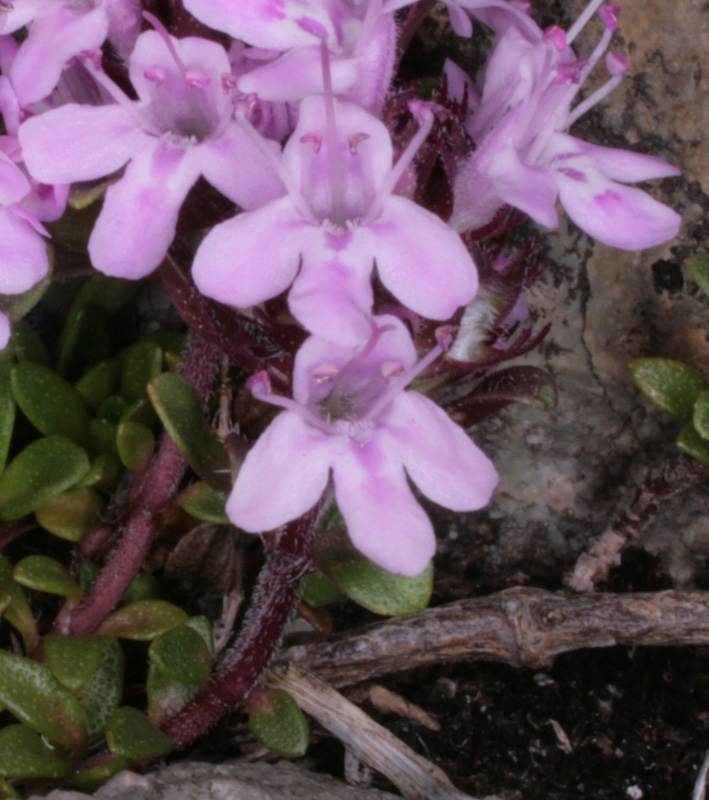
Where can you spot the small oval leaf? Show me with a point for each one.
(88, 780)
(41, 471)
(202, 502)
(139, 364)
(701, 415)
(136, 444)
(85, 341)
(99, 383)
(44, 574)
(182, 413)
(23, 754)
(51, 404)
(691, 443)
(165, 696)
(72, 659)
(18, 613)
(318, 590)
(70, 514)
(182, 654)
(36, 697)
(143, 621)
(130, 733)
(367, 583)
(28, 345)
(103, 692)
(698, 267)
(672, 386)
(276, 722)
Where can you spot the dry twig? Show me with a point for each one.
(520, 626)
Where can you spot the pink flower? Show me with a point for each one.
(360, 36)
(525, 157)
(23, 251)
(340, 216)
(351, 420)
(180, 128)
(59, 29)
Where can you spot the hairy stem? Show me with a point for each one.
(288, 558)
(152, 491)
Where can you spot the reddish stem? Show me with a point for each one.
(152, 491)
(289, 551)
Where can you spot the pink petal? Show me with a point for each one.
(422, 262)
(252, 257)
(23, 253)
(383, 519)
(296, 74)
(282, 477)
(439, 456)
(238, 169)
(619, 165)
(137, 222)
(617, 215)
(78, 143)
(54, 38)
(4, 331)
(13, 184)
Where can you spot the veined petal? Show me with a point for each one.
(274, 24)
(23, 253)
(283, 475)
(56, 36)
(617, 215)
(422, 262)
(297, 74)
(137, 222)
(78, 142)
(238, 169)
(383, 519)
(252, 257)
(619, 165)
(530, 189)
(439, 456)
(333, 300)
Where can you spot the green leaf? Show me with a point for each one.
(182, 654)
(166, 696)
(51, 404)
(112, 409)
(44, 574)
(85, 341)
(28, 345)
(7, 415)
(276, 722)
(8, 791)
(701, 415)
(143, 587)
(698, 267)
(23, 754)
(41, 471)
(18, 613)
(72, 659)
(136, 445)
(367, 583)
(70, 514)
(99, 383)
(103, 436)
(102, 695)
(202, 502)
(672, 386)
(15, 306)
(143, 621)
(691, 443)
(139, 364)
(130, 733)
(318, 590)
(182, 413)
(88, 780)
(105, 472)
(32, 693)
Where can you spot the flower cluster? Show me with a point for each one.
(290, 124)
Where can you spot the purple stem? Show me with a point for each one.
(153, 490)
(289, 550)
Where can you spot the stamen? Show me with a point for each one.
(165, 36)
(557, 35)
(570, 73)
(617, 66)
(425, 117)
(337, 188)
(355, 139)
(229, 82)
(315, 138)
(94, 58)
(260, 387)
(325, 372)
(197, 78)
(374, 11)
(609, 15)
(580, 23)
(156, 75)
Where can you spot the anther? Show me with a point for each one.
(355, 139)
(609, 15)
(557, 35)
(315, 138)
(196, 78)
(155, 75)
